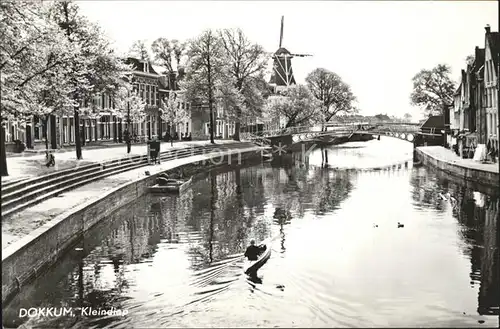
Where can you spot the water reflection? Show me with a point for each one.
(177, 260)
(477, 215)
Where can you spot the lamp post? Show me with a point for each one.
(128, 111)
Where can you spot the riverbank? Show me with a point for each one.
(468, 169)
(190, 245)
(35, 238)
(31, 164)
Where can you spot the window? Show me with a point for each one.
(71, 130)
(486, 72)
(490, 63)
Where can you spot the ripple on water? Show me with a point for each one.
(177, 261)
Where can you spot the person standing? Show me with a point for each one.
(127, 137)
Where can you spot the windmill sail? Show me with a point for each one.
(282, 66)
(281, 31)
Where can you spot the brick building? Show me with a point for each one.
(102, 125)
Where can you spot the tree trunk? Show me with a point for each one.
(3, 155)
(83, 133)
(128, 119)
(171, 134)
(53, 132)
(120, 131)
(148, 126)
(237, 125)
(45, 121)
(95, 131)
(115, 130)
(78, 143)
(90, 131)
(210, 100)
(29, 138)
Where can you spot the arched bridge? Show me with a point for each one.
(328, 132)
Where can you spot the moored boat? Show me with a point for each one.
(171, 186)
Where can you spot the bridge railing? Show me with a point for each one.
(342, 128)
(259, 140)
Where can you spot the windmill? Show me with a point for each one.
(282, 76)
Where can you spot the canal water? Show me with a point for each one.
(338, 257)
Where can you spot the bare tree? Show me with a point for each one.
(172, 111)
(206, 69)
(246, 61)
(165, 51)
(139, 50)
(298, 106)
(433, 89)
(334, 95)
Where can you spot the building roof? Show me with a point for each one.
(282, 51)
(435, 121)
(139, 65)
(493, 39)
(478, 59)
(163, 82)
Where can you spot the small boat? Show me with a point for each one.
(251, 267)
(174, 185)
(267, 157)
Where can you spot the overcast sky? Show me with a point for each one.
(376, 47)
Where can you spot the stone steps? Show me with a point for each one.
(20, 195)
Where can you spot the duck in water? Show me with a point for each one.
(400, 225)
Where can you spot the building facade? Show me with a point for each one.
(477, 122)
(101, 121)
(474, 116)
(455, 118)
(491, 59)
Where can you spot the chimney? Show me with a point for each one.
(487, 28)
(163, 80)
(172, 80)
